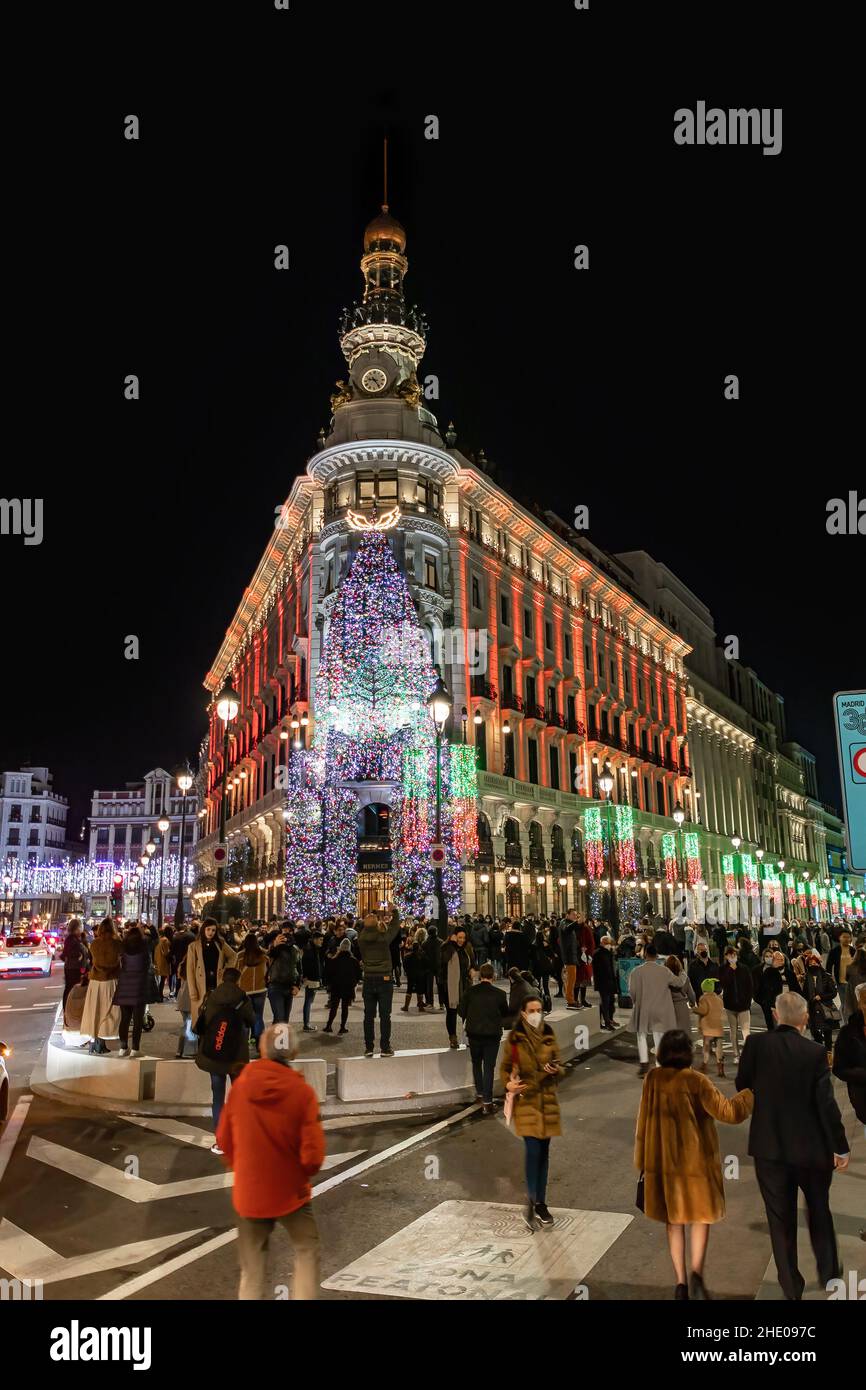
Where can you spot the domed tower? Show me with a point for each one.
(383, 340)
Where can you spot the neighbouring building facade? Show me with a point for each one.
(32, 836)
(562, 668)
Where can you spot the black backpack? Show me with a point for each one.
(219, 1038)
(284, 968)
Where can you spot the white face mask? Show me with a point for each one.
(534, 1020)
(732, 960)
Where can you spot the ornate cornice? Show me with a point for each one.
(330, 463)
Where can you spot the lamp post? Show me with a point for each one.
(759, 855)
(605, 786)
(736, 842)
(464, 715)
(227, 705)
(163, 825)
(183, 777)
(679, 816)
(439, 705)
(150, 850)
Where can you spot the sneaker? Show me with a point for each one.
(453, 1042)
(529, 1220)
(134, 1052)
(488, 1107)
(387, 1052)
(123, 1052)
(342, 1030)
(542, 1214)
(215, 1149)
(369, 1054)
(309, 1027)
(643, 1069)
(328, 1029)
(572, 1006)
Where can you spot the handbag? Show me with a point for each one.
(639, 1195)
(511, 1096)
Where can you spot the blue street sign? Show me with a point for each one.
(849, 707)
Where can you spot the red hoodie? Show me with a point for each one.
(272, 1138)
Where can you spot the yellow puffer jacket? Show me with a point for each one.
(536, 1110)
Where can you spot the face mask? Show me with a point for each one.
(534, 1020)
(608, 945)
(768, 960)
(732, 960)
(702, 954)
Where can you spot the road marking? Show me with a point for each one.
(25, 1257)
(190, 1256)
(115, 1181)
(12, 1131)
(203, 1139)
(23, 1008)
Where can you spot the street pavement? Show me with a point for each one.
(103, 1206)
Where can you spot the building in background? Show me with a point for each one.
(121, 824)
(32, 833)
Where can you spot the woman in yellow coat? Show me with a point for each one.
(677, 1150)
(530, 1071)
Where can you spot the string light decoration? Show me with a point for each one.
(372, 724)
(750, 876)
(593, 843)
(624, 831)
(669, 856)
(97, 876)
(692, 843)
(729, 875)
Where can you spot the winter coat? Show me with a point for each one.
(585, 948)
(772, 984)
(568, 943)
(254, 976)
(74, 1010)
(494, 942)
(516, 950)
(195, 973)
(536, 1110)
(487, 1011)
(478, 935)
(311, 963)
(162, 957)
(415, 966)
(375, 947)
(342, 973)
(736, 988)
(677, 1147)
(131, 986)
(432, 953)
(520, 991)
(105, 956)
(702, 970)
(604, 971)
(448, 951)
(75, 956)
(854, 978)
(180, 944)
(284, 966)
(229, 996)
(650, 988)
(849, 1062)
(711, 1015)
(272, 1138)
(683, 995)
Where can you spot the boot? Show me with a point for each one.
(721, 1068)
(404, 1009)
(180, 1049)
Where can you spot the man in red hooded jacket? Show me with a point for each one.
(272, 1138)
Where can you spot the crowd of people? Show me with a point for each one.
(497, 978)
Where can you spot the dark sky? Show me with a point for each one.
(603, 388)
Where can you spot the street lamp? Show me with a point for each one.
(605, 786)
(759, 855)
(228, 704)
(679, 816)
(736, 842)
(183, 777)
(163, 825)
(439, 705)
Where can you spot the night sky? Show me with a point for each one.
(603, 387)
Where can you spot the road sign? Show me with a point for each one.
(437, 856)
(849, 707)
(220, 854)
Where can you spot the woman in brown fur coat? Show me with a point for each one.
(677, 1150)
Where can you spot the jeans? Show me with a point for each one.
(281, 1003)
(342, 1003)
(253, 1236)
(258, 1003)
(135, 1014)
(484, 1052)
(744, 1022)
(537, 1164)
(309, 996)
(218, 1098)
(377, 992)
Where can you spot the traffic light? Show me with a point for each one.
(117, 895)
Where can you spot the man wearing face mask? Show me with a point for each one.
(736, 983)
(777, 978)
(702, 968)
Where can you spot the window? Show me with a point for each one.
(15, 813)
(429, 496)
(573, 779)
(529, 691)
(527, 622)
(507, 681)
(533, 760)
(102, 835)
(567, 647)
(33, 837)
(660, 798)
(476, 592)
(553, 757)
(13, 836)
(646, 794)
(481, 747)
(35, 814)
(366, 489)
(590, 669)
(640, 690)
(136, 834)
(431, 578)
(548, 636)
(613, 674)
(387, 489)
(570, 709)
(503, 610)
(627, 680)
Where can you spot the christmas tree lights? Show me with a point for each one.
(593, 843)
(694, 873)
(624, 831)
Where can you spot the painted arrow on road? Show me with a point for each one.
(202, 1138)
(25, 1257)
(114, 1180)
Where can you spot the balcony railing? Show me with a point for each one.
(482, 688)
(508, 700)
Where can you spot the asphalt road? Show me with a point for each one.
(92, 1187)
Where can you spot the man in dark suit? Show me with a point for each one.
(796, 1138)
(605, 979)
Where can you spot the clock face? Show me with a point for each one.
(374, 380)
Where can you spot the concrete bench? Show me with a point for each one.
(181, 1083)
(431, 1071)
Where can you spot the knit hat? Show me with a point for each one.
(708, 985)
